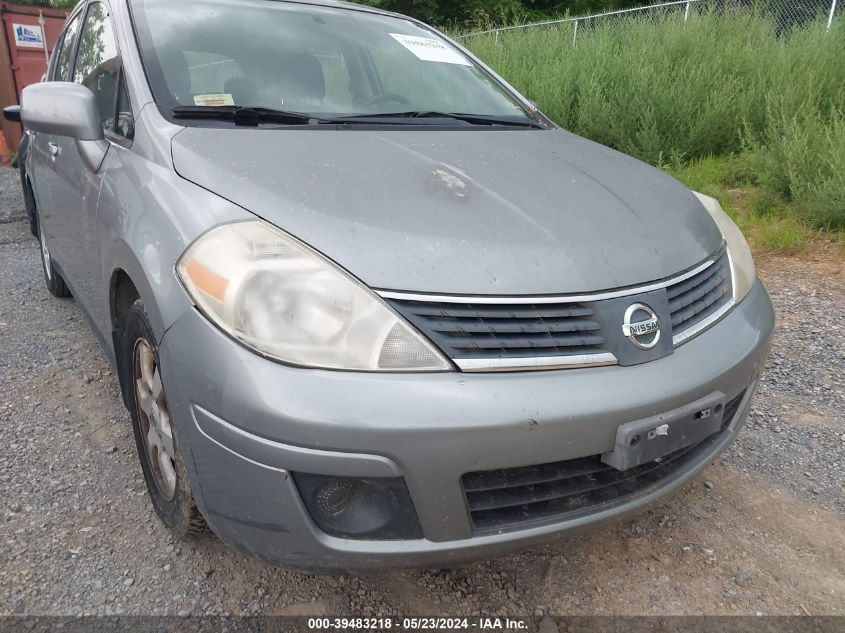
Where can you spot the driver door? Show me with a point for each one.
(43, 148)
(76, 188)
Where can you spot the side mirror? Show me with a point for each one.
(66, 109)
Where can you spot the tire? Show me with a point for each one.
(158, 450)
(55, 284)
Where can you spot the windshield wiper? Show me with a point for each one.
(243, 116)
(252, 117)
(472, 119)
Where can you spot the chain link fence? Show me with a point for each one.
(786, 14)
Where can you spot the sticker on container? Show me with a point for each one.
(431, 50)
(28, 36)
(214, 100)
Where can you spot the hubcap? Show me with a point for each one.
(45, 255)
(156, 429)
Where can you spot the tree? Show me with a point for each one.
(458, 12)
(56, 4)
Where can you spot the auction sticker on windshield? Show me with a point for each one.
(214, 100)
(430, 50)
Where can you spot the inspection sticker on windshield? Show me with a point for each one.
(430, 50)
(214, 100)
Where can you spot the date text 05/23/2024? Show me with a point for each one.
(418, 624)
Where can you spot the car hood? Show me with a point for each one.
(492, 212)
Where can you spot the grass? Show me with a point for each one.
(772, 223)
(723, 101)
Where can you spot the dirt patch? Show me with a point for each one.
(736, 546)
(821, 269)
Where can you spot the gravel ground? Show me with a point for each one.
(11, 197)
(796, 432)
(761, 532)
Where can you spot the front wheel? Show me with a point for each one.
(161, 461)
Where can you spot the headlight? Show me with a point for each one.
(742, 263)
(285, 301)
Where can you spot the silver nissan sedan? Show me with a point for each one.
(368, 306)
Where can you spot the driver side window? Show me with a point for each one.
(98, 63)
(65, 50)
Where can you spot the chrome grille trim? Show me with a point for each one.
(547, 299)
(698, 328)
(540, 363)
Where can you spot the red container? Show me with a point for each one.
(24, 50)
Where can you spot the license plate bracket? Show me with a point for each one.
(644, 441)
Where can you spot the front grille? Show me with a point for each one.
(698, 298)
(515, 498)
(479, 331)
(480, 334)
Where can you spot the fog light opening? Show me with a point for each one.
(362, 509)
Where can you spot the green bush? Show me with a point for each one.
(802, 157)
(669, 92)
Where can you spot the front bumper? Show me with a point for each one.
(245, 423)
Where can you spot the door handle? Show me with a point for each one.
(55, 150)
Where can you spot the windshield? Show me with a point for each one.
(311, 59)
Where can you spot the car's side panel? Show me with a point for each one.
(74, 194)
(42, 176)
(147, 217)
(36, 165)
